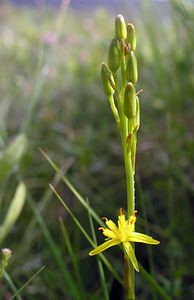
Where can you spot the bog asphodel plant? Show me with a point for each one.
(119, 78)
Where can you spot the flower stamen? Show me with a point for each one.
(101, 228)
(105, 218)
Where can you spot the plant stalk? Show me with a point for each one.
(129, 275)
(125, 132)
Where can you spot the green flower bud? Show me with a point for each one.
(131, 36)
(107, 78)
(120, 28)
(131, 71)
(130, 101)
(114, 59)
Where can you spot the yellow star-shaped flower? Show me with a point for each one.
(123, 234)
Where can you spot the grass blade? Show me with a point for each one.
(72, 189)
(100, 266)
(105, 261)
(70, 283)
(73, 257)
(27, 283)
(11, 284)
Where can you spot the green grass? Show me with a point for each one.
(52, 94)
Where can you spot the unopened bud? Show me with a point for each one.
(131, 71)
(131, 36)
(114, 59)
(130, 101)
(107, 79)
(120, 28)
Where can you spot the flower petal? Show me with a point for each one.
(142, 238)
(130, 253)
(121, 223)
(109, 233)
(104, 246)
(131, 223)
(111, 225)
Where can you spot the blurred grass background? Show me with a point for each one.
(51, 92)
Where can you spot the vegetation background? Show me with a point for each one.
(51, 97)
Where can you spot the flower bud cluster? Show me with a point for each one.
(131, 105)
(119, 77)
(121, 55)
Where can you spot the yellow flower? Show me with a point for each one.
(123, 234)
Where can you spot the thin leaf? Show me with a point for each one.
(105, 261)
(73, 257)
(55, 250)
(11, 284)
(100, 266)
(73, 190)
(27, 283)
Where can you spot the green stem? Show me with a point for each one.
(125, 130)
(130, 287)
(126, 150)
(129, 280)
(130, 182)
